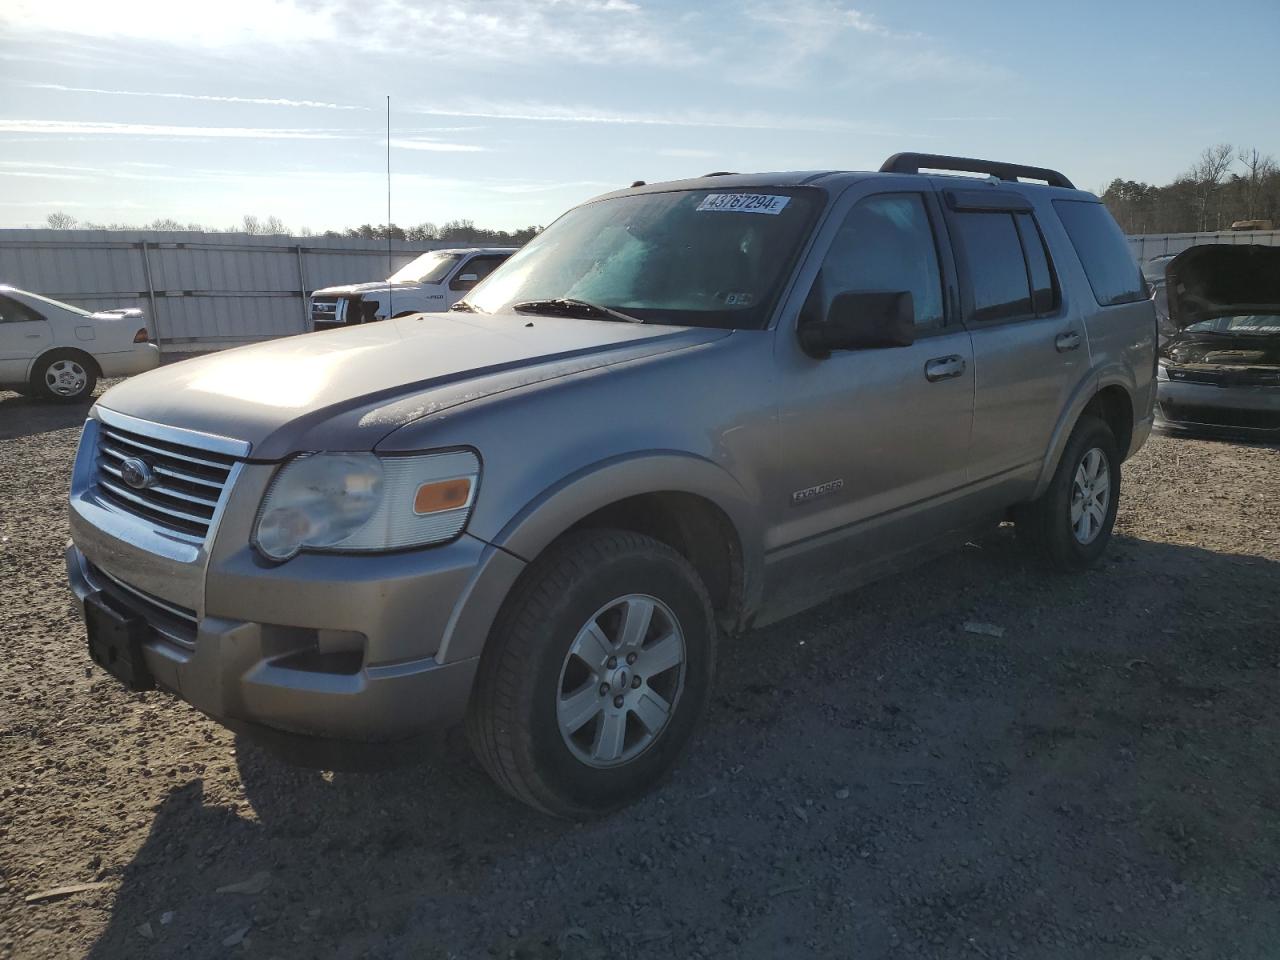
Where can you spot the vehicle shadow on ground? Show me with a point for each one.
(22, 416)
(1070, 786)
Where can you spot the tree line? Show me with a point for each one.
(1223, 186)
(459, 231)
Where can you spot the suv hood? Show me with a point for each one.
(1222, 280)
(347, 389)
(373, 285)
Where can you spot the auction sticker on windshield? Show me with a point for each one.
(743, 203)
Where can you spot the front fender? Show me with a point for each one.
(553, 511)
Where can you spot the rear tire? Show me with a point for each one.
(1069, 526)
(64, 376)
(595, 674)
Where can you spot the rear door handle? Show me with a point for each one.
(1067, 341)
(944, 368)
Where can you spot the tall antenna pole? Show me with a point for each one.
(390, 312)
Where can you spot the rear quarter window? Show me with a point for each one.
(1103, 251)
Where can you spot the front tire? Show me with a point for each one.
(1069, 526)
(64, 376)
(596, 672)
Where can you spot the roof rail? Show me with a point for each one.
(720, 173)
(912, 162)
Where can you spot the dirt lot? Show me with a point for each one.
(1102, 780)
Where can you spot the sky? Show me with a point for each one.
(508, 112)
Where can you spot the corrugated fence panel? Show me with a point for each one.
(1149, 246)
(199, 288)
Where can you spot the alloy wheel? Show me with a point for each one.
(621, 680)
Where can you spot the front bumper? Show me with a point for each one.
(1236, 411)
(317, 665)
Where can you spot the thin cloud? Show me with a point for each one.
(555, 113)
(208, 98)
(685, 153)
(112, 128)
(437, 146)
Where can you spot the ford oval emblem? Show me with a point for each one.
(136, 472)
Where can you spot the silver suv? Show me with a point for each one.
(683, 410)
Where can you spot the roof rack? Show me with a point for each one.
(720, 173)
(912, 163)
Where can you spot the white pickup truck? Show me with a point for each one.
(432, 283)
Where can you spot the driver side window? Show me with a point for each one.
(885, 244)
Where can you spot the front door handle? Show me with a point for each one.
(1067, 341)
(944, 368)
(33, 336)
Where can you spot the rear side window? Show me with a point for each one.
(11, 311)
(1112, 271)
(1044, 292)
(997, 269)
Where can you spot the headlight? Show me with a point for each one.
(363, 502)
(1161, 372)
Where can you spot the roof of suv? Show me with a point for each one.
(964, 170)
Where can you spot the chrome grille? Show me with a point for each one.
(327, 310)
(186, 485)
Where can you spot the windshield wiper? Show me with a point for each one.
(464, 307)
(571, 307)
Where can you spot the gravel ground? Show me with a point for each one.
(871, 780)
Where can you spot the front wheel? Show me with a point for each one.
(596, 672)
(1069, 526)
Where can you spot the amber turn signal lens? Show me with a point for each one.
(142, 336)
(442, 495)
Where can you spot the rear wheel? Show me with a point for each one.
(65, 376)
(1069, 526)
(595, 675)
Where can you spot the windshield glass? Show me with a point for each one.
(1259, 324)
(57, 303)
(428, 268)
(701, 258)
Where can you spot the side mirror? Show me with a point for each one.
(860, 321)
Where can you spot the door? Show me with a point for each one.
(1030, 352)
(23, 334)
(873, 441)
(472, 272)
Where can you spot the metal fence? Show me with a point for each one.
(1148, 246)
(199, 289)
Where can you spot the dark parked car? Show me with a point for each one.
(1219, 367)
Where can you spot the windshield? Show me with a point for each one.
(700, 258)
(428, 268)
(1254, 324)
(57, 303)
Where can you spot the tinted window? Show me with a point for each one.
(11, 311)
(1108, 263)
(997, 270)
(480, 266)
(1044, 293)
(886, 244)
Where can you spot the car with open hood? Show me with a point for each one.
(683, 410)
(1219, 367)
(57, 351)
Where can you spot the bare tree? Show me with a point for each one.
(1207, 173)
(249, 224)
(61, 221)
(274, 225)
(1258, 169)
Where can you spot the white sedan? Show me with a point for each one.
(56, 351)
